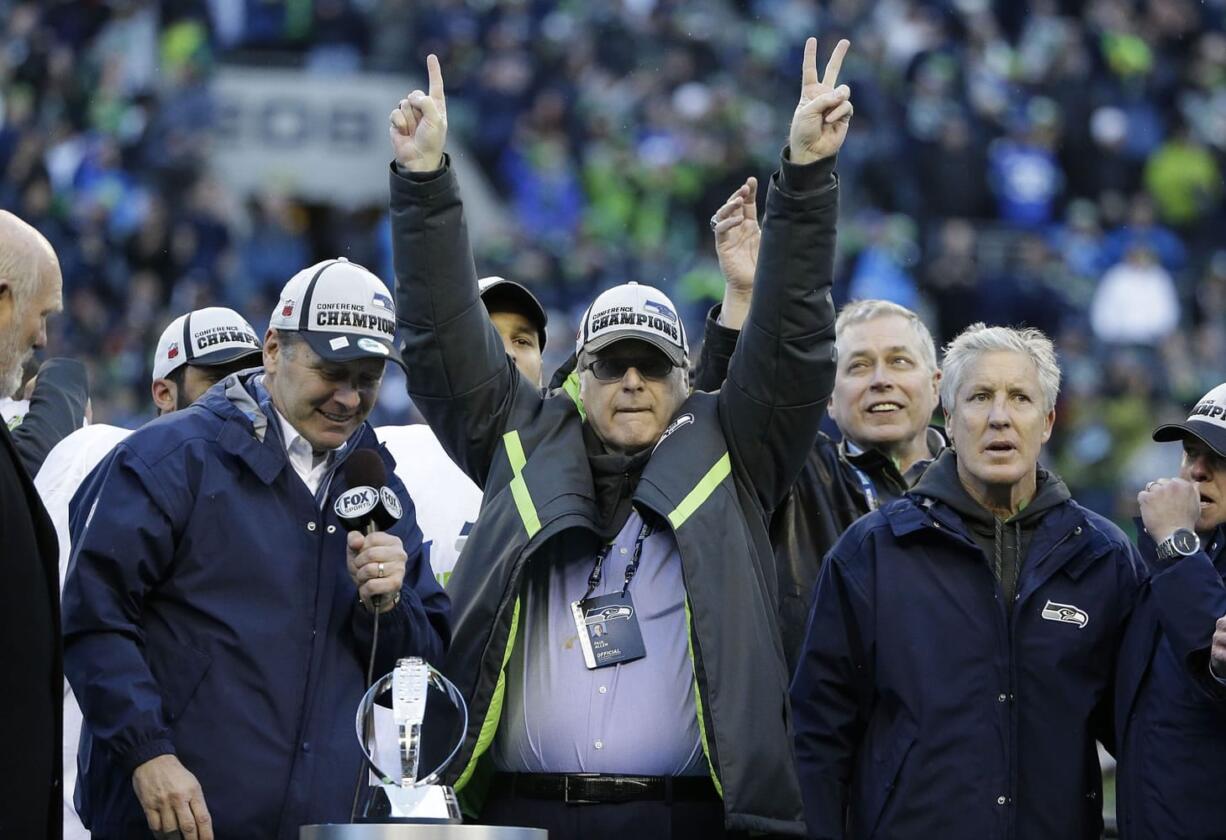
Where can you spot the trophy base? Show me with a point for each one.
(419, 832)
(418, 804)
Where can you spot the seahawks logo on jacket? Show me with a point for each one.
(683, 420)
(1066, 613)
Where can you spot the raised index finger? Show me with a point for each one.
(835, 64)
(435, 72)
(808, 73)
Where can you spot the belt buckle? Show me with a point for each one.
(576, 798)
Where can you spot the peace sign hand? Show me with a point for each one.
(820, 122)
(418, 126)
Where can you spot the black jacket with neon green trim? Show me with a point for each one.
(725, 463)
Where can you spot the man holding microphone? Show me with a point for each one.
(218, 619)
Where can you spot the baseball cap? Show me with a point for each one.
(517, 297)
(205, 337)
(342, 310)
(633, 311)
(1207, 422)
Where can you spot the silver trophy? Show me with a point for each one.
(400, 796)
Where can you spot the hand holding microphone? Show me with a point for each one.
(375, 559)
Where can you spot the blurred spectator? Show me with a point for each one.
(1135, 302)
(1142, 231)
(1184, 179)
(1024, 172)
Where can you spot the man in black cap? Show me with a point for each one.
(447, 501)
(1171, 702)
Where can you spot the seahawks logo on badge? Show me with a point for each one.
(601, 615)
(372, 346)
(1066, 614)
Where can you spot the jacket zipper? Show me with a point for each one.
(1010, 624)
(1007, 614)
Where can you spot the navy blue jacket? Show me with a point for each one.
(208, 613)
(1170, 711)
(924, 708)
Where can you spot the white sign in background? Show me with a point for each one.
(321, 139)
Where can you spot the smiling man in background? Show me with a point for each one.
(885, 391)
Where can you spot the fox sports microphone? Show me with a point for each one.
(368, 505)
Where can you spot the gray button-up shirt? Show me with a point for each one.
(634, 717)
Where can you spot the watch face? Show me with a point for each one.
(1185, 542)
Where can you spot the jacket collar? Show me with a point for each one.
(1066, 538)
(249, 431)
(871, 458)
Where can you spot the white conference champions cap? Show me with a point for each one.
(1206, 422)
(342, 310)
(205, 337)
(634, 311)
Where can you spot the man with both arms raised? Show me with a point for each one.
(623, 508)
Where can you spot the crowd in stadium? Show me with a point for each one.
(1013, 163)
(862, 413)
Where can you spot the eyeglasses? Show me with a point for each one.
(649, 367)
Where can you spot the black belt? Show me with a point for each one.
(593, 788)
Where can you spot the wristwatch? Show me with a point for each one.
(1182, 543)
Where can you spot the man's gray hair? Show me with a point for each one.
(978, 339)
(860, 311)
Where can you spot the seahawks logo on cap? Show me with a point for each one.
(660, 309)
(372, 346)
(382, 301)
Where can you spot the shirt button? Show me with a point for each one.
(599, 745)
(1001, 800)
(310, 526)
(604, 689)
(1000, 698)
(306, 746)
(623, 551)
(331, 529)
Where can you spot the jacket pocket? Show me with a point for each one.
(179, 673)
(883, 776)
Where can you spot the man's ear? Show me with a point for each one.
(165, 395)
(272, 350)
(7, 304)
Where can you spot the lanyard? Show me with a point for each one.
(593, 580)
(866, 484)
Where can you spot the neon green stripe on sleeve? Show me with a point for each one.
(701, 492)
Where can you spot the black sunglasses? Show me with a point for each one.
(655, 366)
